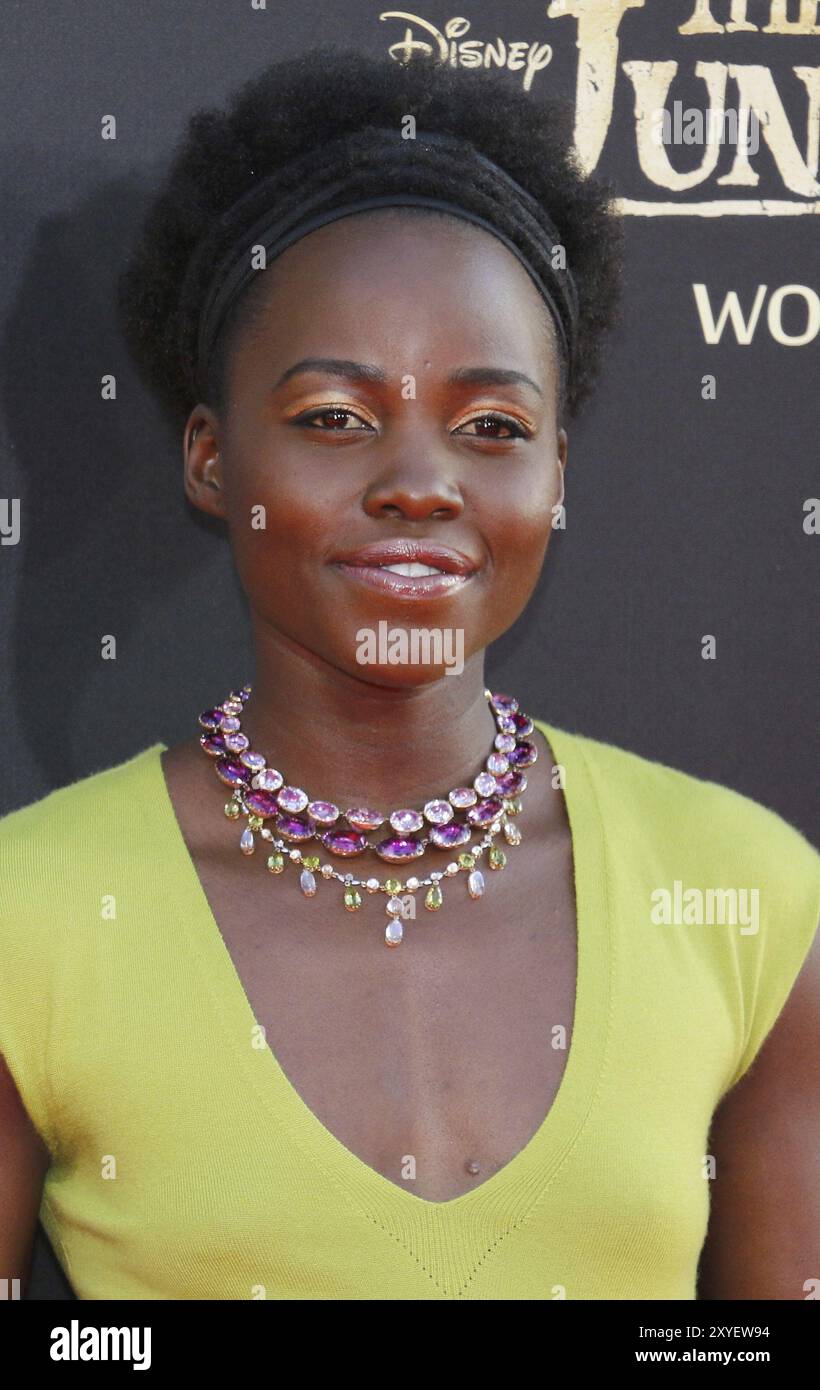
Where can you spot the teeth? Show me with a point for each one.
(411, 569)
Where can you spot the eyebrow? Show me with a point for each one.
(361, 371)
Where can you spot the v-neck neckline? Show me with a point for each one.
(511, 1191)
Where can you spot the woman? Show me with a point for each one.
(218, 1083)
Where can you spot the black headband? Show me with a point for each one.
(284, 207)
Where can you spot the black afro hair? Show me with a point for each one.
(299, 105)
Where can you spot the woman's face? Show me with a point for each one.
(436, 425)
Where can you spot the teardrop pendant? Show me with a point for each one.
(434, 898)
(307, 883)
(475, 884)
(246, 843)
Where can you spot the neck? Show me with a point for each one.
(354, 743)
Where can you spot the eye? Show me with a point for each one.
(493, 421)
(337, 414)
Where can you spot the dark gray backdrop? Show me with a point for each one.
(685, 516)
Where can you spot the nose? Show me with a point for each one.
(414, 488)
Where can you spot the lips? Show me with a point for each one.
(397, 552)
(408, 568)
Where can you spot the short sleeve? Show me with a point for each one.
(785, 870)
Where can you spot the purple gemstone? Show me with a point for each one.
(211, 718)
(484, 784)
(462, 797)
(232, 772)
(323, 811)
(214, 745)
(506, 723)
(497, 763)
(270, 780)
(254, 761)
(397, 850)
(293, 799)
(406, 821)
(344, 842)
(512, 783)
(504, 742)
(228, 724)
(362, 818)
(261, 803)
(523, 725)
(292, 828)
(486, 812)
(237, 743)
(524, 755)
(450, 836)
(505, 704)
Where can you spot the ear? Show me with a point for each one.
(562, 452)
(202, 463)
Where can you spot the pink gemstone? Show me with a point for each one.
(438, 812)
(323, 811)
(462, 797)
(261, 803)
(523, 725)
(396, 851)
(292, 828)
(504, 742)
(228, 724)
(486, 812)
(214, 745)
(450, 836)
(484, 784)
(293, 799)
(524, 755)
(406, 821)
(237, 743)
(232, 773)
(512, 783)
(344, 842)
(497, 763)
(361, 818)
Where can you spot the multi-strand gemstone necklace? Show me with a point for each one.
(400, 837)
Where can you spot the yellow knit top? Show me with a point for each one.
(186, 1166)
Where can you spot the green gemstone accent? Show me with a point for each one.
(392, 885)
(276, 863)
(231, 810)
(352, 899)
(497, 858)
(310, 861)
(466, 861)
(434, 898)
(255, 822)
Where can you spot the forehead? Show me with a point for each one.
(403, 281)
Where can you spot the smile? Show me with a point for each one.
(406, 580)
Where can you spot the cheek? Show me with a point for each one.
(275, 509)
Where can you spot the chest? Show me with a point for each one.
(434, 1062)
